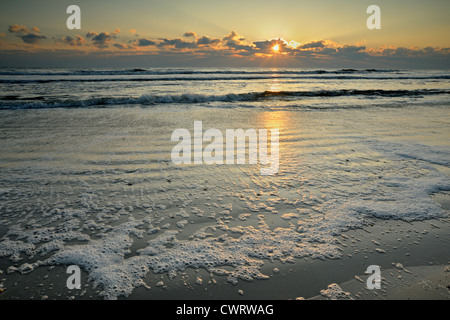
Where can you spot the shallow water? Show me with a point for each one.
(221, 88)
(97, 188)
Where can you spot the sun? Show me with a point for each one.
(276, 48)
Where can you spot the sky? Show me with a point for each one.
(236, 33)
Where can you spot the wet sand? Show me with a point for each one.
(332, 163)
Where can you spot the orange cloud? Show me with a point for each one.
(233, 46)
(28, 36)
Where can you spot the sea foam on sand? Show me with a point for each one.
(109, 202)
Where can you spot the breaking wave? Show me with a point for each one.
(14, 102)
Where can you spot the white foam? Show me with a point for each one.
(330, 199)
(182, 223)
(104, 261)
(13, 249)
(289, 216)
(334, 292)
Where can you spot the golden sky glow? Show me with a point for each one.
(303, 30)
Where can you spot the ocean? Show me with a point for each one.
(86, 179)
(264, 88)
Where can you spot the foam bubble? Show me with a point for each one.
(335, 292)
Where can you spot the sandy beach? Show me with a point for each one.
(221, 158)
(96, 188)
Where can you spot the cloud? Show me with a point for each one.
(29, 36)
(103, 39)
(207, 40)
(177, 43)
(91, 34)
(115, 32)
(99, 40)
(74, 41)
(313, 45)
(145, 42)
(18, 29)
(234, 50)
(190, 34)
(330, 49)
(122, 46)
(233, 36)
(266, 47)
(236, 42)
(32, 38)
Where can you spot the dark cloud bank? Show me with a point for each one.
(107, 49)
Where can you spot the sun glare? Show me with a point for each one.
(276, 48)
